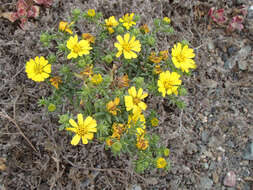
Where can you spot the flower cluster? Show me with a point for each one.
(110, 75)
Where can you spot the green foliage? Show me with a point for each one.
(110, 87)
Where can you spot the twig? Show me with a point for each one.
(19, 129)
(103, 169)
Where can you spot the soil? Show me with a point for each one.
(207, 139)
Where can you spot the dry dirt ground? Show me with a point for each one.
(208, 139)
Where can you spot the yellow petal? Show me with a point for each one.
(85, 140)
(128, 102)
(71, 129)
(139, 93)
(89, 136)
(73, 123)
(75, 140)
(142, 105)
(116, 101)
(80, 119)
(126, 37)
(120, 39)
(132, 91)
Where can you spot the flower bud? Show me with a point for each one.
(166, 152)
(120, 30)
(116, 147)
(151, 40)
(108, 59)
(76, 12)
(51, 107)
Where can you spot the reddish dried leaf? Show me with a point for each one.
(46, 3)
(22, 5)
(33, 12)
(11, 16)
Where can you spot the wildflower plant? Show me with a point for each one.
(105, 76)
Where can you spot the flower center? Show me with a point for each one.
(168, 84)
(82, 130)
(77, 48)
(38, 69)
(136, 101)
(180, 58)
(126, 47)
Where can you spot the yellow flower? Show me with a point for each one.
(127, 20)
(142, 143)
(109, 142)
(154, 58)
(128, 46)
(77, 48)
(168, 83)
(112, 106)
(134, 118)
(90, 38)
(96, 79)
(154, 122)
(161, 162)
(118, 130)
(182, 57)
(133, 101)
(167, 20)
(144, 29)
(110, 30)
(166, 152)
(91, 12)
(87, 72)
(110, 23)
(65, 27)
(38, 69)
(164, 54)
(122, 81)
(55, 81)
(157, 69)
(83, 129)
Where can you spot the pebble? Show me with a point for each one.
(243, 65)
(205, 136)
(248, 152)
(215, 177)
(213, 142)
(210, 46)
(209, 83)
(230, 179)
(250, 12)
(135, 187)
(206, 183)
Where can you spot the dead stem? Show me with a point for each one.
(19, 129)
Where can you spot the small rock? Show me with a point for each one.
(215, 177)
(250, 12)
(244, 52)
(250, 134)
(230, 179)
(135, 187)
(213, 142)
(152, 181)
(205, 136)
(248, 152)
(210, 46)
(209, 83)
(243, 65)
(206, 166)
(206, 183)
(191, 148)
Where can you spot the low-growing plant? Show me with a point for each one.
(101, 80)
(218, 16)
(26, 9)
